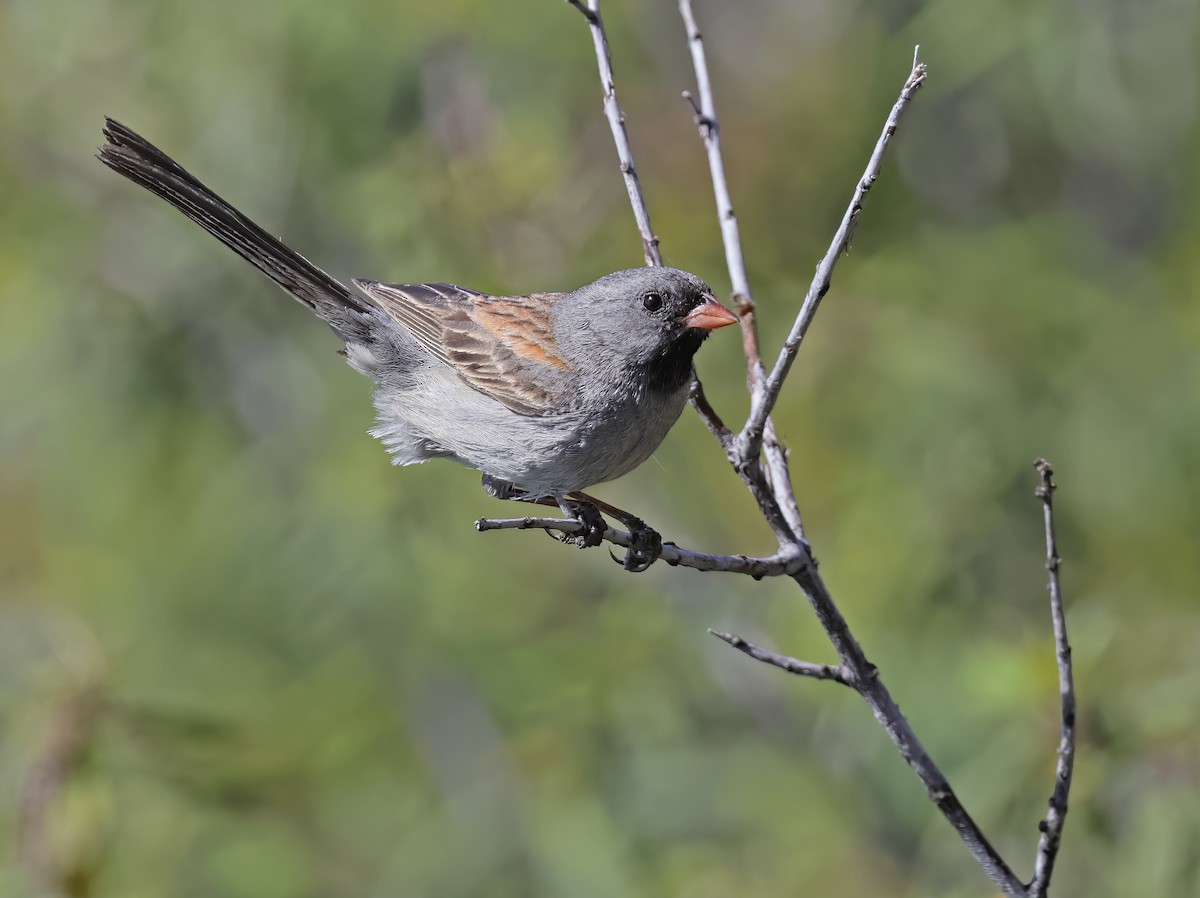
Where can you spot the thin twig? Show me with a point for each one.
(705, 117)
(750, 439)
(616, 121)
(1051, 825)
(708, 414)
(781, 564)
(832, 672)
(781, 480)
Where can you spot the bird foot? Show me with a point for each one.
(645, 545)
(593, 523)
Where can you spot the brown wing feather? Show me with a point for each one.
(502, 346)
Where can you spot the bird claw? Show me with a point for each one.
(593, 523)
(645, 545)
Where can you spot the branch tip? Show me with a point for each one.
(1051, 825)
(616, 123)
(833, 672)
(751, 436)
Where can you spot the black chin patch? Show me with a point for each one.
(671, 368)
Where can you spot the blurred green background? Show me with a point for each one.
(241, 655)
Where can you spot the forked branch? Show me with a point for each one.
(760, 461)
(705, 117)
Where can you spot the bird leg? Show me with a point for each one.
(583, 510)
(645, 543)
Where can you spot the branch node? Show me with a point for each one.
(592, 18)
(705, 123)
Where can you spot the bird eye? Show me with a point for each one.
(652, 301)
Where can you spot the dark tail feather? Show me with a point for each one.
(131, 155)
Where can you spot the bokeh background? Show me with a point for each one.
(241, 655)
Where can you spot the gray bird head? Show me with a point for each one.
(645, 323)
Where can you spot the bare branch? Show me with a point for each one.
(708, 414)
(761, 405)
(782, 564)
(785, 662)
(781, 480)
(866, 680)
(1051, 825)
(760, 461)
(705, 117)
(616, 121)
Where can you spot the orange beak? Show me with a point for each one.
(709, 316)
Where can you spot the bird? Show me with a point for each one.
(546, 394)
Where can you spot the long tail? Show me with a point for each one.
(131, 155)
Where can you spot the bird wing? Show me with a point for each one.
(502, 346)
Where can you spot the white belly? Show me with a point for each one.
(441, 417)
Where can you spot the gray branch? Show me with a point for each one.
(785, 662)
(866, 680)
(708, 414)
(705, 117)
(750, 439)
(784, 563)
(710, 131)
(1056, 814)
(616, 121)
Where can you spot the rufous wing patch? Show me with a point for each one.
(524, 328)
(501, 346)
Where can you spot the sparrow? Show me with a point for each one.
(545, 394)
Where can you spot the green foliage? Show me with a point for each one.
(307, 675)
